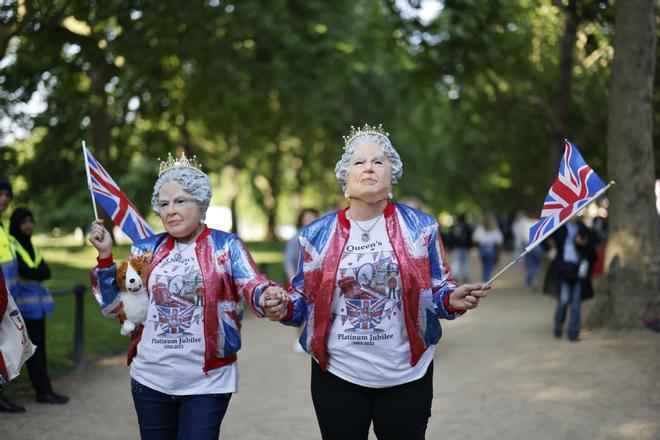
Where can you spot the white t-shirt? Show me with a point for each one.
(170, 354)
(570, 251)
(368, 342)
(487, 237)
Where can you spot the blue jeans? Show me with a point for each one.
(532, 266)
(165, 417)
(488, 260)
(461, 264)
(569, 294)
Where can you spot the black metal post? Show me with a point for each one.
(78, 330)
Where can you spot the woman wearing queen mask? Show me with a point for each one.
(371, 285)
(183, 360)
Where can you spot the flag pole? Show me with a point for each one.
(547, 234)
(89, 181)
(507, 267)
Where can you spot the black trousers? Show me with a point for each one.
(36, 364)
(345, 410)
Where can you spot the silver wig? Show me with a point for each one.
(341, 169)
(193, 181)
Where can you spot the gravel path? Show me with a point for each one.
(499, 374)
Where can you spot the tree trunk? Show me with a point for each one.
(185, 135)
(632, 286)
(270, 197)
(562, 91)
(100, 128)
(98, 115)
(234, 218)
(233, 197)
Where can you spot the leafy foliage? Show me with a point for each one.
(269, 88)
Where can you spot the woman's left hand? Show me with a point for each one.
(467, 296)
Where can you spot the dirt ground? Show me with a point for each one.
(499, 374)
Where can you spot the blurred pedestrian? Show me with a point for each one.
(306, 216)
(34, 302)
(489, 238)
(600, 230)
(532, 259)
(460, 240)
(575, 252)
(7, 251)
(504, 223)
(520, 231)
(9, 269)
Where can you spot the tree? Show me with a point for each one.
(563, 87)
(575, 13)
(632, 291)
(267, 89)
(484, 92)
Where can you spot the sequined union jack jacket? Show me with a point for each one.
(425, 275)
(229, 276)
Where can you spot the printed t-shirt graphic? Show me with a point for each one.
(368, 343)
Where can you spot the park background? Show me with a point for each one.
(477, 97)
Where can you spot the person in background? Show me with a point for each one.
(34, 301)
(9, 269)
(520, 231)
(489, 238)
(575, 250)
(599, 228)
(532, 260)
(306, 216)
(460, 239)
(504, 223)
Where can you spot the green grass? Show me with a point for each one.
(70, 266)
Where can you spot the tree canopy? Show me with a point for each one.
(265, 90)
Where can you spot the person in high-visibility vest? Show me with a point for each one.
(7, 252)
(9, 268)
(34, 301)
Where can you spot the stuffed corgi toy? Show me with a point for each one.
(132, 282)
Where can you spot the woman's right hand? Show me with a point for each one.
(274, 301)
(100, 239)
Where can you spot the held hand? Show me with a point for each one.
(274, 301)
(100, 239)
(467, 296)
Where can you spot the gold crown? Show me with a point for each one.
(180, 162)
(366, 129)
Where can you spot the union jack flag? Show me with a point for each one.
(365, 314)
(576, 186)
(114, 202)
(175, 320)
